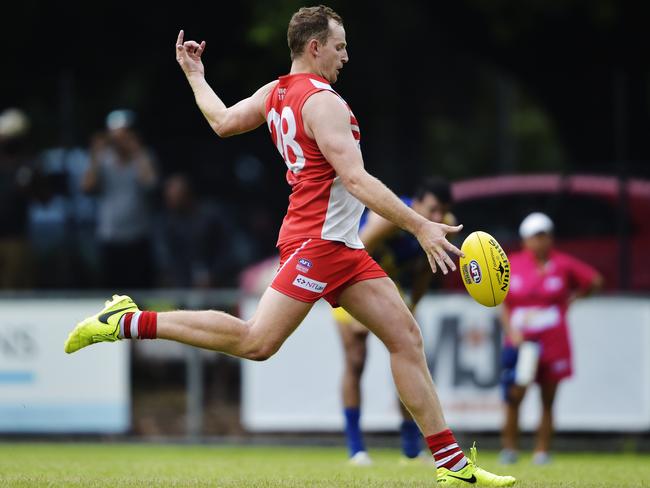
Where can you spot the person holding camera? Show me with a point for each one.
(123, 176)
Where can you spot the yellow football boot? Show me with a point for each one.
(472, 475)
(102, 327)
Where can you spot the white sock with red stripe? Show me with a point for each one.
(138, 325)
(445, 451)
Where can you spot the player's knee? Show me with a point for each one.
(412, 341)
(516, 395)
(416, 338)
(255, 346)
(261, 352)
(547, 403)
(356, 361)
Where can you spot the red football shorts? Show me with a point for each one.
(554, 371)
(316, 268)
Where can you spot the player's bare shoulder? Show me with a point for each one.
(262, 95)
(325, 107)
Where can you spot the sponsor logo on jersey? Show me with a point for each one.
(304, 265)
(309, 284)
(475, 271)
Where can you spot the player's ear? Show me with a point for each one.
(313, 47)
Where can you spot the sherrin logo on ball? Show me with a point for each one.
(485, 269)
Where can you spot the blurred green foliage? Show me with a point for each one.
(424, 78)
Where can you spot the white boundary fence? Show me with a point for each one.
(42, 389)
(298, 389)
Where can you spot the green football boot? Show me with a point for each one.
(472, 475)
(102, 327)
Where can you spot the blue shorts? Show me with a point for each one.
(549, 370)
(509, 356)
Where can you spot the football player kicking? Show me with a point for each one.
(318, 136)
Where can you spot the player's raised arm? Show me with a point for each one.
(244, 116)
(328, 120)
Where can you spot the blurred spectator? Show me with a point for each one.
(543, 283)
(49, 230)
(15, 182)
(62, 221)
(123, 175)
(191, 237)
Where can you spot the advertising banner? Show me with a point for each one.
(45, 390)
(299, 388)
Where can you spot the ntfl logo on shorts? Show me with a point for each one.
(303, 265)
(309, 284)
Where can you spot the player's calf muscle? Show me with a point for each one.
(208, 329)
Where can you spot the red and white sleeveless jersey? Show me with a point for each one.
(319, 205)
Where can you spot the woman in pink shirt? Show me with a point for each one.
(544, 282)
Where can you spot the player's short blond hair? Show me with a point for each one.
(310, 23)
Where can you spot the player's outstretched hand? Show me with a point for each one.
(188, 55)
(432, 238)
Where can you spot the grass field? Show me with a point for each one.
(112, 465)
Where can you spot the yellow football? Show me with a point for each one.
(485, 269)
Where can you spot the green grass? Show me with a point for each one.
(111, 465)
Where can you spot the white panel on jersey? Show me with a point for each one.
(321, 85)
(325, 86)
(342, 217)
